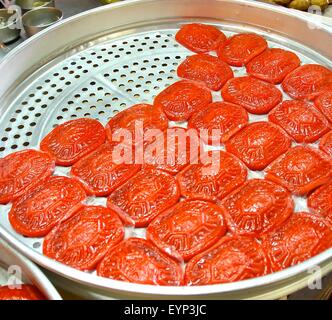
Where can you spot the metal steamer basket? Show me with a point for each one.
(30, 273)
(105, 60)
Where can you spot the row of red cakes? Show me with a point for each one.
(23, 292)
(226, 227)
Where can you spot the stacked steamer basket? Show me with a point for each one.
(13, 264)
(106, 60)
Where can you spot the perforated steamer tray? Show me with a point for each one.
(103, 61)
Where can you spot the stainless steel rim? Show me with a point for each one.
(324, 259)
